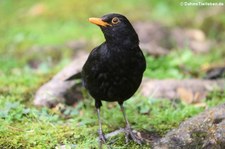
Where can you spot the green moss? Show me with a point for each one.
(27, 127)
(180, 64)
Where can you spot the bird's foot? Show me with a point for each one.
(102, 138)
(130, 134)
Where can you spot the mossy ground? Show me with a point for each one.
(29, 23)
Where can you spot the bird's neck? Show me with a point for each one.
(128, 42)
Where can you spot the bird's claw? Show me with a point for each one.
(102, 138)
(129, 134)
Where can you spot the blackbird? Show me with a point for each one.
(114, 69)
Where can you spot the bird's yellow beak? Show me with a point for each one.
(98, 21)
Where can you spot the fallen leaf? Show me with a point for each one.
(37, 10)
(195, 34)
(185, 95)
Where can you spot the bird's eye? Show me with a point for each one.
(115, 20)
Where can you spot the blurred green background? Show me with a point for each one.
(32, 49)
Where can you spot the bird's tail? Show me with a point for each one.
(74, 77)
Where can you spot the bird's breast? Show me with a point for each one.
(113, 75)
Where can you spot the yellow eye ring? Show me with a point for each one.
(115, 20)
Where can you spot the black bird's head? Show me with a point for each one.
(117, 30)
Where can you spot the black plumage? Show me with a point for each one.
(114, 70)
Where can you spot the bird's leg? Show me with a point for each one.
(100, 132)
(102, 138)
(128, 129)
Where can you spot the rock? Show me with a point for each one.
(190, 38)
(171, 89)
(57, 90)
(153, 49)
(153, 37)
(206, 130)
(156, 39)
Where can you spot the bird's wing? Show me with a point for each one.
(90, 60)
